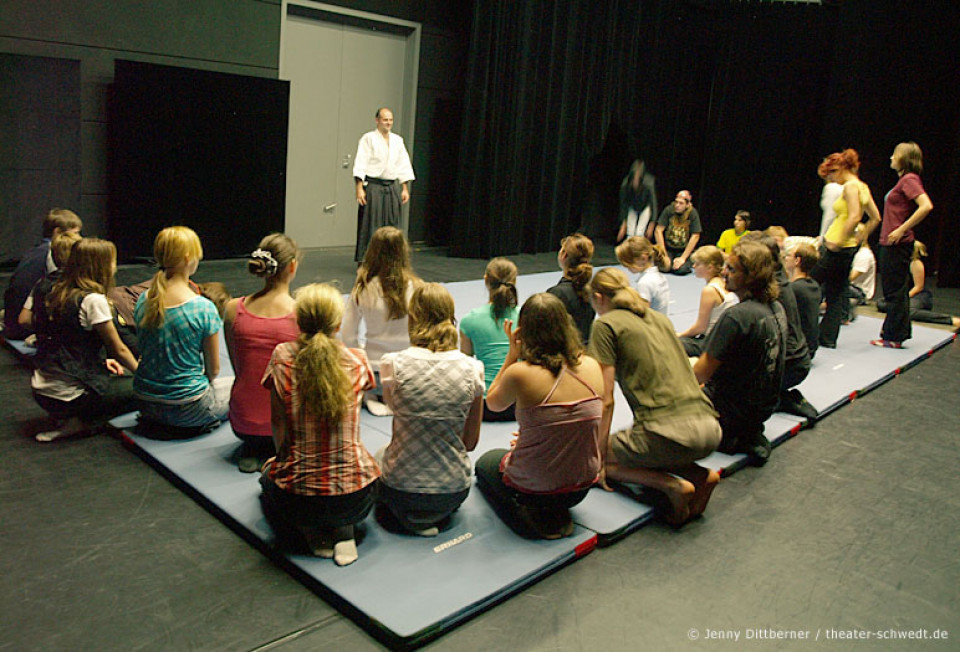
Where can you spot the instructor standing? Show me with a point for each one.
(382, 172)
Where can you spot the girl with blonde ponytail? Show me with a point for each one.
(674, 424)
(436, 394)
(178, 336)
(322, 481)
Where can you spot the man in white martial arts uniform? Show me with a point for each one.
(382, 172)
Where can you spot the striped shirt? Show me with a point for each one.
(317, 458)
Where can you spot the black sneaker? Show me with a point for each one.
(759, 452)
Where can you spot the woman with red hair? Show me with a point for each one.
(841, 241)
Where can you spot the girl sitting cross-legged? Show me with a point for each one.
(74, 380)
(178, 334)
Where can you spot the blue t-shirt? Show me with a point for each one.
(171, 357)
(490, 343)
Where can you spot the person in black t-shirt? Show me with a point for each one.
(742, 364)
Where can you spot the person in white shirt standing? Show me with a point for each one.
(382, 172)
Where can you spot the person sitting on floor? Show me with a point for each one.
(797, 355)
(178, 334)
(74, 380)
(436, 394)
(640, 256)
(33, 266)
(863, 279)
(379, 298)
(322, 483)
(556, 456)
(807, 292)
(60, 247)
(677, 234)
(730, 237)
(742, 364)
(714, 299)
(674, 424)
(253, 326)
(574, 258)
(921, 299)
(481, 330)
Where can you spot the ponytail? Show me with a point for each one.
(323, 384)
(613, 284)
(579, 252)
(501, 278)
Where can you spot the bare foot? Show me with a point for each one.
(704, 488)
(680, 493)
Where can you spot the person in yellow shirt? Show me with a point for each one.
(730, 237)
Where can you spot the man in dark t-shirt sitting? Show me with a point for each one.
(743, 360)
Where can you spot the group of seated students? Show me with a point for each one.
(303, 374)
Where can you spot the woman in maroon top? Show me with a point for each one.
(903, 209)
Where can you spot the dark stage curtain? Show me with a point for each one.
(735, 101)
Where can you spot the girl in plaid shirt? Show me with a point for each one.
(321, 483)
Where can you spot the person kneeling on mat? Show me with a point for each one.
(556, 455)
(742, 364)
(322, 482)
(436, 394)
(674, 424)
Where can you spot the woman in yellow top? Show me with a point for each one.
(730, 237)
(841, 241)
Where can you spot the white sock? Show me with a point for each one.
(345, 552)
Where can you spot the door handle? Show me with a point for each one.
(329, 208)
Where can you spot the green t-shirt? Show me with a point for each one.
(653, 371)
(490, 343)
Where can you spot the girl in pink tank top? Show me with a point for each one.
(556, 389)
(253, 326)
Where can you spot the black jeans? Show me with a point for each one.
(833, 275)
(896, 281)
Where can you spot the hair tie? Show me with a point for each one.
(268, 259)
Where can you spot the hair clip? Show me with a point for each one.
(268, 259)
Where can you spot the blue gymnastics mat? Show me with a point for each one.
(468, 567)
(404, 590)
(20, 349)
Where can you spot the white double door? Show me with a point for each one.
(339, 75)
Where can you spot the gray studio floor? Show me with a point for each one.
(853, 525)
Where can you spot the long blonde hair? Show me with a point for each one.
(432, 323)
(614, 284)
(324, 387)
(171, 247)
(388, 259)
